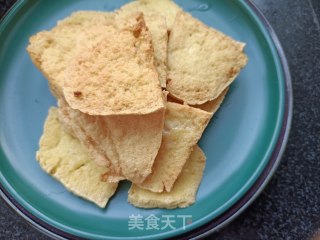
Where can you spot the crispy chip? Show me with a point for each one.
(158, 29)
(51, 51)
(127, 145)
(91, 131)
(117, 76)
(166, 8)
(213, 105)
(63, 157)
(202, 61)
(125, 64)
(184, 126)
(157, 25)
(114, 120)
(184, 190)
(137, 140)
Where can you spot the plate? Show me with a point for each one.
(243, 143)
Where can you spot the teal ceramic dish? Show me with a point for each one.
(243, 143)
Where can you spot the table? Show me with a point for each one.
(289, 207)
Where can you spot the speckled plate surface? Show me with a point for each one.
(243, 143)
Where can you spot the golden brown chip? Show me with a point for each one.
(51, 51)
(157, 25)
(63, 157)
(184, 190)
(94, 134)
(127, 145)
(117, 76)
(166, 8)
(137, 140)
(184, 126)
(158, 29)
(213, 105)
(202, 61)
(107, 70)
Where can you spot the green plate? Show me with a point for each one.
(243, 143)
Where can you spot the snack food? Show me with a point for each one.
(51, 51)
(116, 75)
(63, 157)
(127, 145)
(202, 62)
(184, 190)
(159, 17)
(54, 50)
(166, 8)
(211, 106)
(183, 128)
(157, 26)
(132, 102)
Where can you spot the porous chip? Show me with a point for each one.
(136, 89)
(158, 29)
(213, 105)
(137, 140)
(127, 145)
(51, 51)
(117, 76)
(63, 157)
(202, 61)
(184, 190)
(157, 25)
(166, 8)
(183, 128)
(93, 133)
